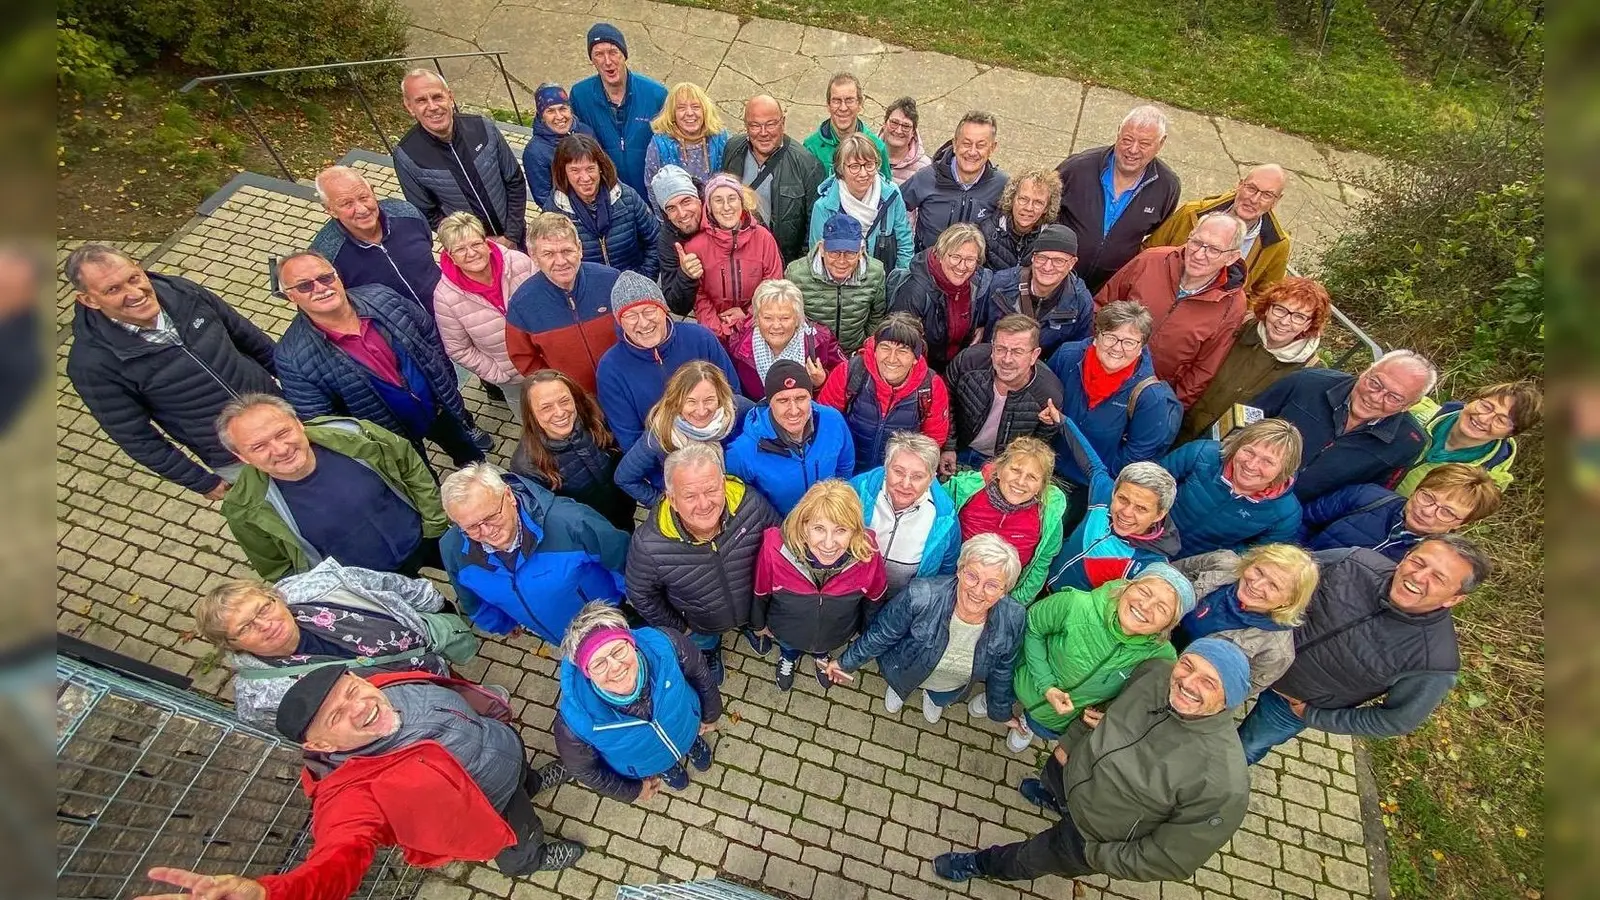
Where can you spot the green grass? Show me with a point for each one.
(1245, 62)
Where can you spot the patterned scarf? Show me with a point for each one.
(795, 350)
(998, 498)
(684, 433)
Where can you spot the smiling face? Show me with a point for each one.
(1483, 420)
(697, 495)
(1136, 146)
(700, 405)
(431, 104)
(844, 104)
(827, 541)
(1436, 512)
(897, 131)
(1020, 479)
(1134, 509)
(583, 174)
(841, 264)
(1386, 389)
(791, 410)
(683, 211)
(614, 667)
(894, 360)
(1050, 268)
(1209, 250)
(553, 408)
(906, 479)
(777, 323)
(727, 207)
(974, 144)
(121, 290)
(979, 586)
(302, 281)
(274, 442)
(1119, 347)
(1258, 193)
(859, 176)
(487, 517)
(611, 65)
(644, 325)
(1429, 578)
(350, 200)
(960, 263)
(354, 715)
(1264, 587)
(1256, 466)
(689, 115)
(1287, 320)
(558, 118)
(1028, 207)
(263, 626)
(558, 258)
(763, 124)
(1147, 606)
(1196, 688)
(1014, 355)
(470, 253)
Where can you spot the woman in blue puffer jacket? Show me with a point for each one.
(614, 223)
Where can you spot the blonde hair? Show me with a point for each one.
(1046, 178)
(1274, 433)
(211, 613)
(1302, 571)
(855, 145)
(957, 236)
(550, 226)
(1471, 482)
(1028, 449)
(667, 121)
(829, 501)
(664, 415)
(459, 225)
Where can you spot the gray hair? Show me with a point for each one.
(1144, 117)
(594, 615)
(1239, 227)
(421, 73)
(1481, 565)
(460, 484)
(1414, 358)
(957, 236)
(915, 443)
(458, 225)
(283, 263)
(90, 253)
(777, 290)
(238, 406)
(1153, 478)
(991, 549)
(978, 117)
(1124, 312)
(694, 453)
(332, 172)
(211, 613)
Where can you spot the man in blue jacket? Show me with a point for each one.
(372, 241)
(618, 104)
(370, 354)
(791, 441)
(519, 555)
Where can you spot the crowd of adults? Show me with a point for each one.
(1053, 445)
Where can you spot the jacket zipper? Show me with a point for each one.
(482, 204)
(572, 305)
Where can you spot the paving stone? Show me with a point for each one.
(789, 877)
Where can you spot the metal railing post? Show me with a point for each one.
(499, 60)
(251, 121)
(371, 116)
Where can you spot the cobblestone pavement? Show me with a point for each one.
(812, 795)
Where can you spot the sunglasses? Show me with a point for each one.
(305, 287)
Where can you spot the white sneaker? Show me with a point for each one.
(978, 706)
(930, 710)
(891, 701)
(1018, 741)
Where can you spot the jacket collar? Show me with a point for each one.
(1386, 429)
(671, 526)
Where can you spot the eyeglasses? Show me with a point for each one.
(469, 246)
(1284, 313)
(258, 619)
(984, 587)
(1112, 342)
(897, 127)
(1010, 352)
(1372, 384)
(1200, 246)
(961, 262)
(859, 168)
(844, 102)
(762, 127)
(637, 316)
(327, 279)
(1499, 420)
(616, 658)
(1051, 261)
(1250, 190)
(1427, 500)
(495, 519)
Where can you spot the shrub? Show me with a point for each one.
(85, 63)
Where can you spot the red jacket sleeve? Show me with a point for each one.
(937, 425)
(526, 355)
(345, 838)
(771, 260)
(1197, 376)
(833, 390)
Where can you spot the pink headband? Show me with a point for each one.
(594, 640)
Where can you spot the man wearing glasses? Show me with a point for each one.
(777, 167)
(155, 358)
(1195, 295)
(1266, 244)
(1357, 428)
(844, 118)
(962, 185)
(371, 354)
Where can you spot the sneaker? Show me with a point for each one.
(1018, 740)
(559, 855)
(785, 673)
(714, 663)
(481, 439)
(547, 776)
(891, 701)
(956, 866)
(978, 706)
(700, 754)
(760, 643)
(821, 674)
(494, 392)
(675, 778)
(1034, 791)
(930, 710)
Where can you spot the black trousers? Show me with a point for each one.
(1056, 851)
(523, 857)
(425, 556)
(454, 437)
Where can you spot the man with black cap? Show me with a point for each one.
(677, 197)
(888, 388)
(1000, 391)
(1147, 789)
(791, 442)
(425, 762)
(1048, 290)
(618, 104)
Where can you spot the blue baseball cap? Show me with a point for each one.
(841, 232)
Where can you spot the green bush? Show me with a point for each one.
(85, 63)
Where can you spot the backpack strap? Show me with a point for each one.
(855, 380)
(766, 171)
(1369, 507)
(1138, 388)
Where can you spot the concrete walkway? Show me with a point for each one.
(1042, 119)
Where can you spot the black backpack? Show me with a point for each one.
(856, 381)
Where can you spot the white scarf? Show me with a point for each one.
(1296, 352)
(683, 433)
(761, 351)
(864, 210)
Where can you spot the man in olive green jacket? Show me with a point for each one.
(1146, 791)
(331, 487)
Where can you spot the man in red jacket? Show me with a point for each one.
(416, 760)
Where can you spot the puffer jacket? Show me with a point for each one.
(1247, 370)
(540, 152)
(402, 260)
(879, 410)
(775, 469)
(1102, 252)
(1066, 315)
(547, 327)
(1496, 457)
(642, 467)
(702, 587)
(820, 343)
(427, 170)
(473, 331)
(587, 473)
(1075, 642)
(403, 599)
(1154, 795)
(1212, 516)
(629, 243)
(939, 201)
(909, 636)
(1117, 437)
(968, 484)
(1270, 652)
(794, 182)
(807, 617)
(852, 309)
(888, 240)
(736, 262)
(1003, 247)
(1191, 336)
(916, 292)
(1268, 259)
(971, 377)
(1361, 515)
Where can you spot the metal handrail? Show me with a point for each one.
(1349, 324)
(349, 70)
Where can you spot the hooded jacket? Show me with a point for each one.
(540, 152)
(1270, 651)
(794, 181)
(1066, 315)
(623, 131)
(1117, 437)
(1192, 335)
(643, 466)
(784, 473)
(264, 526)
(1266, 263)
(736, 262)
(152, 398)
(1094, 553)
(968, 484)
(1496, 457)
(402, 261)
(820, 343)
(915, 161)
(892, 228)
(701, 587)
(941, 548)
(630, 240)
(910, 634)
(1361, 515)
(1247, 370)
(1154, 795)
(1212, 516)
(475, 171)
(851, 309)
(971, 377)
(569, 555)
(917, 292)
(570, 331)
(1083, 203)
(880, 409)
(824, 143)
(473, 331)
(802, 615)
(678, 288)
(629, 380)
(940, 201)
(368, 802)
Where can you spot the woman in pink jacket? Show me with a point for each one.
(737, 254)
(469, 304)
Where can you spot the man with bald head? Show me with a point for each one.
(372, 241)
(784, 175)
(454, 162)
(1267, 243)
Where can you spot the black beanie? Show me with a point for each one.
(304, 698)
(1058, 238)
(786, 375)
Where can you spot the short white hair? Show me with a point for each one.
(915, 443)
(460, 484)
(777, 290)
(1144, 117)
(694, 453)
(594, 615)
(1413, 357)
(333, 172)
(421, 73)
(1153, 478)
(991, 549)
(1239, 228)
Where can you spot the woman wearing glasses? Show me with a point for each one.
(946, 287)
(858, 190)
(1480, 432)
(1449, 498)
(1282, 334)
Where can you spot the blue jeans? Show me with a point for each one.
(1046, 733)
(706, 642)
(1269, 724)
(792, 654)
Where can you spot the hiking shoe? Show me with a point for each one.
(978, 706)
(1034, 791)
(931, 711)
(700, 754)
(1019, 739)
(544, 778)
(714, 663)
(821, 673)
(760, 643)
(481, 439)
(675, 778)
(785, 673)
(559, 855)
(956, 866)
(892, 702)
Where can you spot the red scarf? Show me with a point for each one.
(958, 303)
(1100, 384)
(489, 292)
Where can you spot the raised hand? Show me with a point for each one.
(815, 370)
(689, 262)
(1050, 415)
(194, 886)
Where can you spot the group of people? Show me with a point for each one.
(1052, 445)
